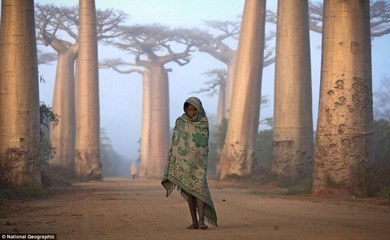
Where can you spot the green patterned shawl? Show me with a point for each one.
(187, 159)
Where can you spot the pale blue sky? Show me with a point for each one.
(120, 95)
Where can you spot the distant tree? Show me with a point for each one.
(58, 27)
(213, 157)
(114, 165)
(152, 46)
(49, 20)
(218, 47)
(216, 86)
(222, 46)
(46, 58)
(19, 98)
(382, 132)
(382, 100)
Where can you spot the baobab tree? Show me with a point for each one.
(220, 47)
(151, 45)
(87, 160)
(63, 135)
(344, 136)
(217, 47)
(379, 17)
(19, 98)
(237, 157)
(284, 156)
(293, 119)
(123, 67)
(216, 86)
(51, 23)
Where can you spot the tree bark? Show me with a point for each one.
(293, 120)
(159, 121)
(62, 136)
(87, 94)
(19, 96)
(145, 132)
(221, 104)
(231, 72)
(344, 135)
(238, 154)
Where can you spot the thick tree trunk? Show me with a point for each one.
(159, 122)
(237, 157)
(145, 131)
(344, 135)
(87, 111)
(293, 120)
(19, 96)
(63, 135)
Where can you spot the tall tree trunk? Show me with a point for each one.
(231, 71)
(293, 120)
(344, 135)
(238, 154)
(87, 111)
(19, 95)
(145, 131)
(159, 121)
(63, 135)
(221, 104)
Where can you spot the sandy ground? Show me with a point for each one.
(120, 208)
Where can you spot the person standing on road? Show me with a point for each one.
(187, 163)
(133, 171)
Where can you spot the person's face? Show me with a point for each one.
(191, 111)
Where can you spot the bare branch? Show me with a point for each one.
(155, 43)
(116, 63)
(46, 58)
(218, 80)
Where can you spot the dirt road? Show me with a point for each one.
(126, 209)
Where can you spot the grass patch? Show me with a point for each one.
(384, 193)
(26, 191)
(303, 187)
(296, 187)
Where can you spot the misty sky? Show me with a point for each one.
(121, 95)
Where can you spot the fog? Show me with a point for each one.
(121, 95)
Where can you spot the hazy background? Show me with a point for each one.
(121, 95)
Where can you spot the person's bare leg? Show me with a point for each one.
(201, 209)
(192, 207)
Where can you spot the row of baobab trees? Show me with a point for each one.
(344, 134)
(19, 98)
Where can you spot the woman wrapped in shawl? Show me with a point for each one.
(187, 163)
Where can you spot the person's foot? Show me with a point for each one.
(203, 226)
(193, 226)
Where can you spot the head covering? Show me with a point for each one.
(196, 103)
(187, 158)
